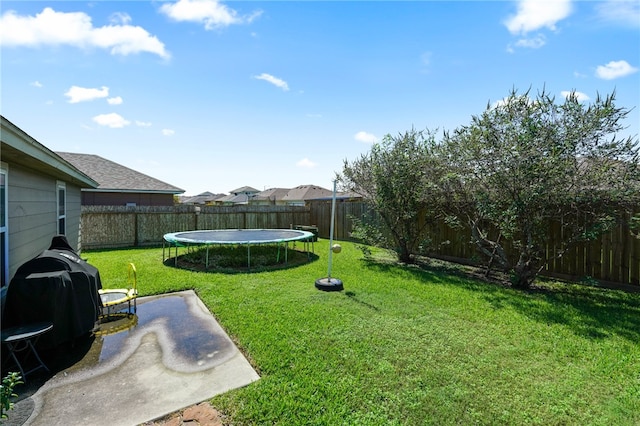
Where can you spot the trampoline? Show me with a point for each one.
(237, 237)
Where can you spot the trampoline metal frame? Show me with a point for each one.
(305, 237)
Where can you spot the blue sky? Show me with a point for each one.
(212, 96)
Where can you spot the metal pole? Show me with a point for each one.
(333, 212)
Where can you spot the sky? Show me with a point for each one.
(212, 96)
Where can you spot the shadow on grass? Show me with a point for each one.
(352, 296)
(588, 311)
(432, 272)
(591, 312)
(235, 260)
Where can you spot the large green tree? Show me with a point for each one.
(526, 162)
(397, 179)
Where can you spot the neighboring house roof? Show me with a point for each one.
(20, 148)
(271, 194)
(114, 177)
(204, 198)
(306, 192)
(349, 195)
(234, 199)
(244, 189)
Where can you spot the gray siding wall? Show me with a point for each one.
(32, 215)
(74, 216)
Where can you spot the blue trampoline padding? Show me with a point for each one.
(237, 236)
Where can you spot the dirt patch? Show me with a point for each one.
(202, 414)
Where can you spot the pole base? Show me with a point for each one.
(329, 284)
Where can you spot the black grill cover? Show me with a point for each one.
(56, 286)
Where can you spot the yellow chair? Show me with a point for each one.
(112, 298)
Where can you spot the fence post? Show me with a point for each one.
(136, 238)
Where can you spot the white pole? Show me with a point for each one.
(333, 212)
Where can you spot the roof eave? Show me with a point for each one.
(129, 191)
(20, 148)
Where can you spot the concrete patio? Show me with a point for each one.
(171, 355)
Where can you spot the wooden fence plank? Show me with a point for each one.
(614, 257)
(625, 266)
(634, 263)
(598, 259)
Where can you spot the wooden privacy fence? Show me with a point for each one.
(612, 258)
(120, 226)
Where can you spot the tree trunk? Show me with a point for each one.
(492, 249)
(404, 252)
(525, 272)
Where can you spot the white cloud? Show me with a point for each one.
(126, 39)
(306, 163)
(509, 99)
(532, 43)
(82, 94)
(143, 123)
(211, 13)
(535, 14)
(114, 101)
(623, 12)
(581, 96)
(614, 69)
(365, 137)
(273, 80)
(51, 28)
(500, 103)
(36, 84)
(113, 120)
(168, 132)
(120, 18)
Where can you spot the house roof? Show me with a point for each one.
(244, 189)
(271, 194)
(114, 177)
(349, 195)
(234, 199)
(204, 198)
(17, 147)
(306, 192)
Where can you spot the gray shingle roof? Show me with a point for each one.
(204, 198)
(341, 196)
(234, 199)
(244, 189)
(306, 192)
(116, 177)
(272, 194)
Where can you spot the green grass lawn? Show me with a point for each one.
(411, 346)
